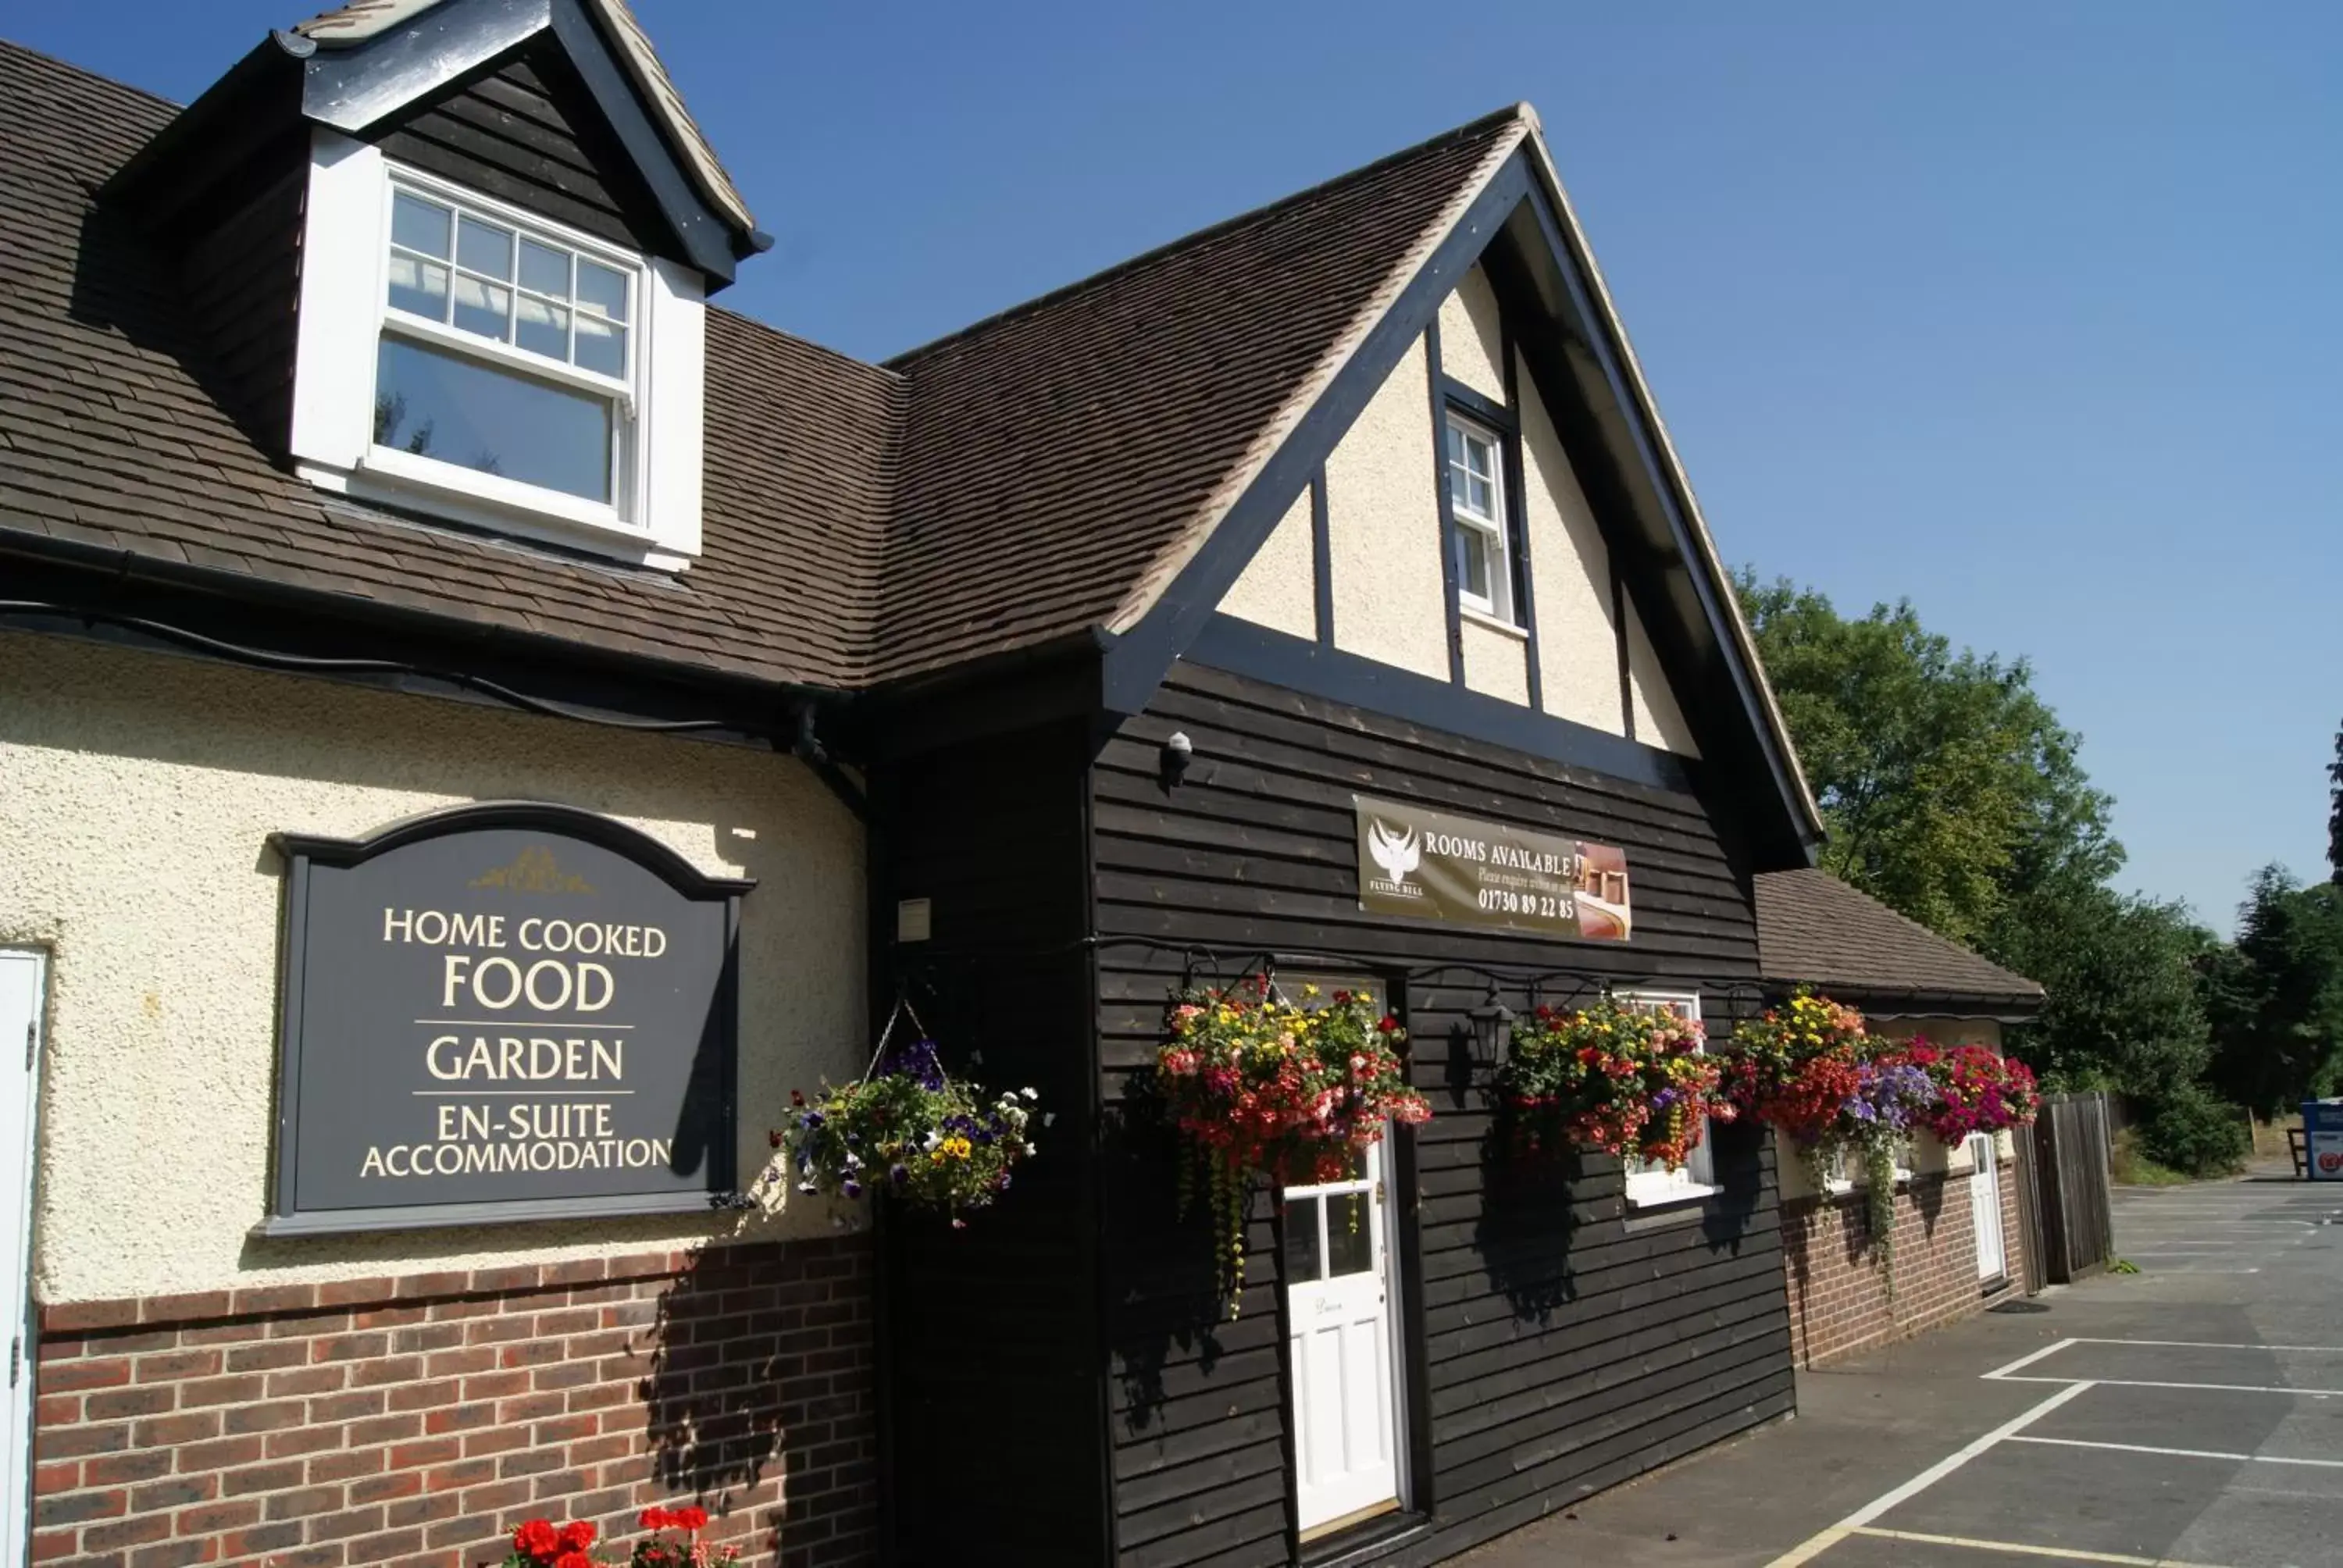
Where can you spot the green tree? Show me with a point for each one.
(2275, 995)
(2335, 813)
(2121, 1009)
(1948, 785)
(1953, 794)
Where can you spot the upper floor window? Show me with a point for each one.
(1476, 499)
(466, 358)
(504, 352)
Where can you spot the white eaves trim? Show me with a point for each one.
(655, 519)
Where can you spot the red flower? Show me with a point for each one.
(655, 1518)
(537, 1538)
(692, 1518)
(573, 1560)
(578, 1534)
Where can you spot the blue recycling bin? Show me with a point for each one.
(2322, 1139)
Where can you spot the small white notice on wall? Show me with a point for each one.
(911, 920)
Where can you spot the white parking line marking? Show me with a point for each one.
(2209, 1387)
(1823, 1540)
(2180, 1453)
(2052, 1349)
(2063, 1554)
(2206, 1345)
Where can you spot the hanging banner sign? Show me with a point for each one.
(1417, 861)
(502, 1012)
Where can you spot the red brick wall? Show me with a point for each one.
(416, 1420)
(1839, 1300)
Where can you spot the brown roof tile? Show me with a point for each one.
(1814, 929)
(1039, 474)
(110, 439)
(1061, 456)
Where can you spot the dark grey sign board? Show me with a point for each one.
(503, 1011)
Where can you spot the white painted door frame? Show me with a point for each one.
(1985, 1198)
(23, 990)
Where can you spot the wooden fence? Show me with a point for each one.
(2063, 1190)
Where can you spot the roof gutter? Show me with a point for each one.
(121, 565)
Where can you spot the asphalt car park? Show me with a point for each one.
(2189, 1415)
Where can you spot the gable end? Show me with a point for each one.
(1676, 626)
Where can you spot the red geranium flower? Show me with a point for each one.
(578, 1534)
(692, 1518)
(655, 1518)
(573, 1560)
(537, 1538)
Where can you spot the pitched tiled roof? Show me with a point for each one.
(1037, 475)
(1814, 929)
(1065, 458)
(109, 440)
(363, 19)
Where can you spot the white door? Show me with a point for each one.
(1339, 1303)
(21, 990)
(1984, 1194)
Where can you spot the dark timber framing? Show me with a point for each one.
(1626, 649)
(1610, 435)
(1518, 521)
(1450, 588)
(1321, 557)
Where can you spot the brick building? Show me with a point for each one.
(1957, 1231)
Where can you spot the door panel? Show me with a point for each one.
(22, 991)
(1339, 1310)
(1985, 1194)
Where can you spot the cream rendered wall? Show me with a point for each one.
(1472, 336)
(1279, 587)
(1658, 720)
(1570, 574)
(1496, 661)
(141, 790)
(1382, 522)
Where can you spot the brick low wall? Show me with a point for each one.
(1839, 1300)
(416, 1419)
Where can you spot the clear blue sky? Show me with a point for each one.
(2032, 314)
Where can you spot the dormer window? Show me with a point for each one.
(463, 358)
(503, 351)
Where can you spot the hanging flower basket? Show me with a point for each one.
(1627, 1082)
(907, 1129)
(1261, 1085)
(1977, 1089)
(1796, 1066)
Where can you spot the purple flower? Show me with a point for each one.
(916, 1061)
(854, 1189)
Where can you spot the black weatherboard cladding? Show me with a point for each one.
(528, 133)
(990, 1335)
(1562, 1342)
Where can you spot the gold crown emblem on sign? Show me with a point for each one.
(533, 870)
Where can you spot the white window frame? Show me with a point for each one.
(658, 422)
(1496, 606)
(1649, 1185)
